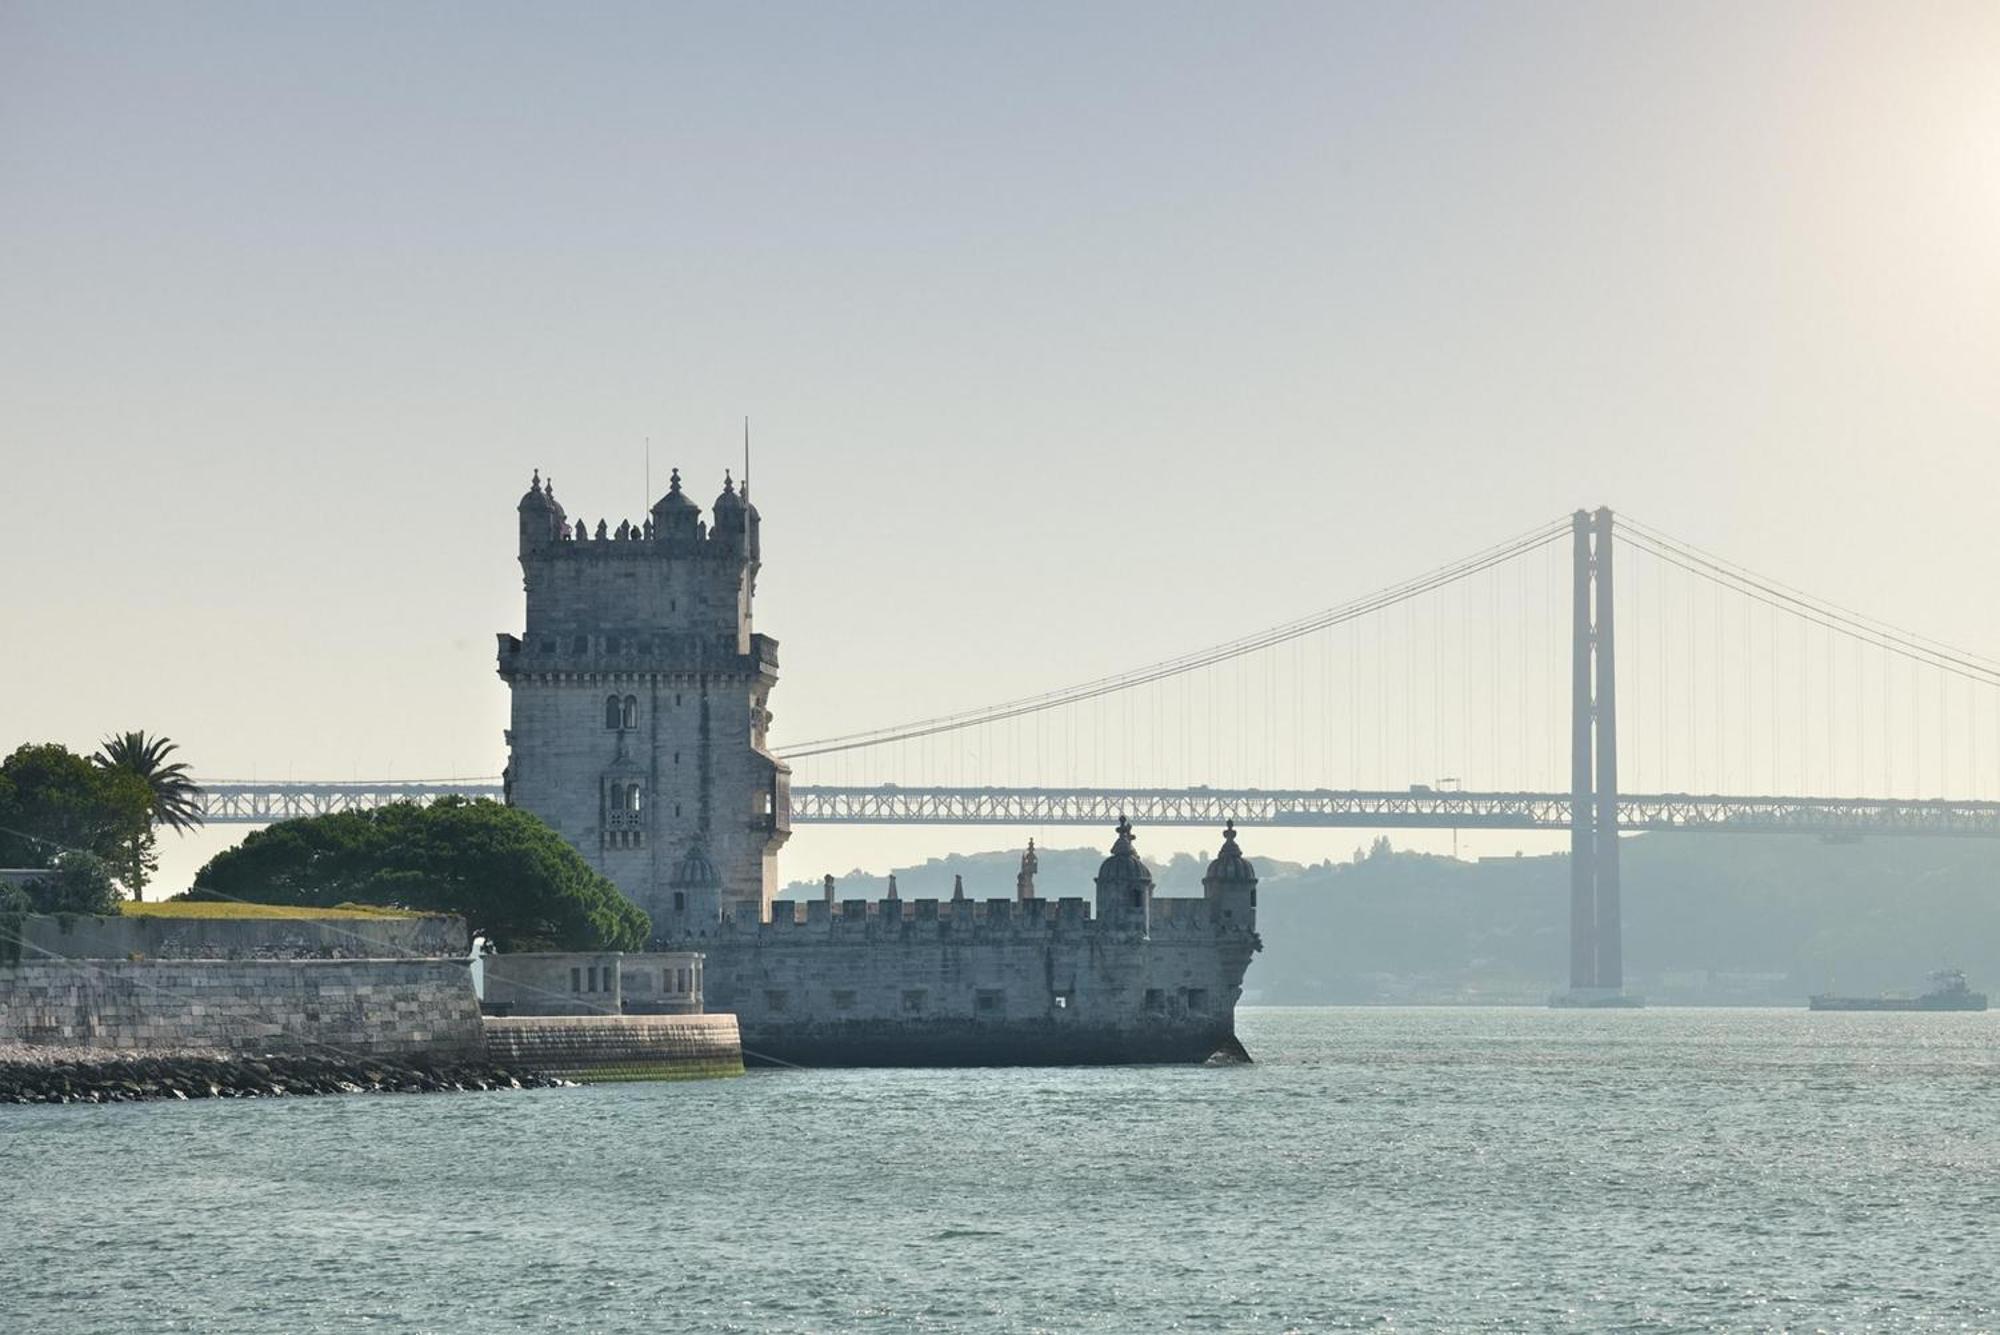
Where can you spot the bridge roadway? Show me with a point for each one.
(1417, 808)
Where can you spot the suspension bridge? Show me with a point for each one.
(1729, 702)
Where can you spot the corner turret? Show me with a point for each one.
(1230, 886)
(676, 518)
(1124, 885)
(731, 530)
(541, 518)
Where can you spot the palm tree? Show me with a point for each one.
(176, 800)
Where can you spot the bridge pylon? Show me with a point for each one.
(1596, 934)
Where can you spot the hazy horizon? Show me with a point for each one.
(1071, 339)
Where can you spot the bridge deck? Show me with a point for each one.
(258, 804)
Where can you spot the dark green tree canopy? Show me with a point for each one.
(53, 800)
(510, 876)
(77, 883)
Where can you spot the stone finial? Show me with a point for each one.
(624, 530)
(892, 887)
(957, 888)
(674, 483)
(728, 486)
(602, 530)
(826, 887)
(1123, 844)
(535, 483)
(581, 532)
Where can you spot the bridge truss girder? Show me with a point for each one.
(258, 804)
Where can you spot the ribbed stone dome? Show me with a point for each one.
(1230, 865)
(695, 870)
(536, 498)
(675, 504)
(1123, 867)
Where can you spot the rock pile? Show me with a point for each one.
(109, 1079)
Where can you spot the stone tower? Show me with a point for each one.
(640, 703)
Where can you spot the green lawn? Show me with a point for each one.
(191, 908)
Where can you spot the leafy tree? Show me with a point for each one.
(53, 801)
(78, 883)
(174, 800)
(510, 876)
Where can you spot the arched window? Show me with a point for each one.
(613, 714)
(632, 795)
(630, 714)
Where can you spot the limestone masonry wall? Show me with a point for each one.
(359, 1006)
(162, 937)
(960, 981)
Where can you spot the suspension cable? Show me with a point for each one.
(1189, 662)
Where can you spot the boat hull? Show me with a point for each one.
(1967, 1001)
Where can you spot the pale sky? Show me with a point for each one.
(1073, 336)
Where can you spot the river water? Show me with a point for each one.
(1419, 1169)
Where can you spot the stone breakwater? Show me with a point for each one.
(42, 1075)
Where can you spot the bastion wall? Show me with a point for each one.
(925, 982)
(384, 1007)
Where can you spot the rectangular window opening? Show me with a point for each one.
(913, 1000)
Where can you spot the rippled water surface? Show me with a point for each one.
(1415, 1169)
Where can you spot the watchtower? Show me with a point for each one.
(640, 703)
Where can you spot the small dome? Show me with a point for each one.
(675, 502)
(728, 502)
(1123, 865)
(695, 869)
(536, 498)
(1230, 866)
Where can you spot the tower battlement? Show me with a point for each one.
(640, 702)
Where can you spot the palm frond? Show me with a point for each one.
(176, 797)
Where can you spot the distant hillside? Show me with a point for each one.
(1708, 918)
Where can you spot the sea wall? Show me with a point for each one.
(618, 1047)
(357, 1006)
(171, 937)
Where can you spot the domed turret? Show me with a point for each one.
(1230, 866)
(1124, 885)
(1230, 886)
(731, 526)
(541, 517)
(676, 517)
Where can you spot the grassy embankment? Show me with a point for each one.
(201, 908)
